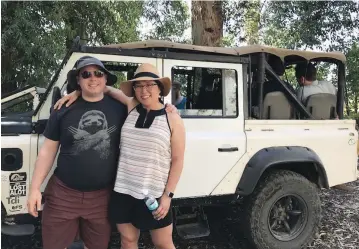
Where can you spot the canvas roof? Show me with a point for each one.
(284, 54)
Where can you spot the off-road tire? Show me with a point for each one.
(257, 208)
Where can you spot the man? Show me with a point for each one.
(306, 75)
(178, 100)
(76, 196)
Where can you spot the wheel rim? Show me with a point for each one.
(288, 217)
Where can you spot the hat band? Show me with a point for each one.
(146, 74)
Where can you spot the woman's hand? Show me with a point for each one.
(70, 98)
(162, 210)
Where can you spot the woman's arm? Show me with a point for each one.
(178, 140)
(113, 92)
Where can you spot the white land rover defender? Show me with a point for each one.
(244, 141)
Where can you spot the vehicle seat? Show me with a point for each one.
(322, 105)
(56, 95)
(70, 88)
(276, 106)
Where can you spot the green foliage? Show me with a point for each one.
(252, 22)
(228, 40)
(233, 19)
(167, 20)
(36, 35)
(352, 78)
(28, 45)
(308, 24)
(324, 25)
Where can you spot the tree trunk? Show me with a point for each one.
(74, 27)
(79, 30)
(207, 23)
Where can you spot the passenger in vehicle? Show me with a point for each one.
(178, 100)
(151, 159)
(306, 75)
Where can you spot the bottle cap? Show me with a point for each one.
(145, 192)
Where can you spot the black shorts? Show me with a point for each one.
(127, 209)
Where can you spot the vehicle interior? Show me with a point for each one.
(271, 90)
(281, 89)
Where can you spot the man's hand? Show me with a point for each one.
(162, 210)
(34, 203)
(171, 109)
(70, 98)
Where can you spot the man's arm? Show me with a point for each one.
(118, 94)
(43, 165)
(44, 162)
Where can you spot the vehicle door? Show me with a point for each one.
(214, 121)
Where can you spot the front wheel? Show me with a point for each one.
(283, 212)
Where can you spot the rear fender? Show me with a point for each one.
(299, 159)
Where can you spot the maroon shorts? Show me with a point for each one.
(68, 213)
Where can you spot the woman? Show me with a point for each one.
(151, 158)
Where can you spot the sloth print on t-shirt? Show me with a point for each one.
(92, 133)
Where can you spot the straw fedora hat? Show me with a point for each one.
(146, 71)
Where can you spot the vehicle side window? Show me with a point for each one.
(204, 91)
(123, 70)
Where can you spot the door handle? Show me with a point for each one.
(230, 149)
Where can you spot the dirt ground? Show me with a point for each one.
(339, 230)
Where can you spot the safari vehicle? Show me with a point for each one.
(269, 150)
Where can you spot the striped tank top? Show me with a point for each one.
(145, 153)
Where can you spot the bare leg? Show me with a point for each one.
(162, 238)
(129, 236)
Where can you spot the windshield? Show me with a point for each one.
(20, 103)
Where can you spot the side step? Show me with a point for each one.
(76, 245)
(191, 222)
(17, 230)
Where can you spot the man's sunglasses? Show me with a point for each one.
(87, 74)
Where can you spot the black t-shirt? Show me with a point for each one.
(89, 136)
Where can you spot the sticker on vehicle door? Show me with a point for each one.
(17, 184)
(18, 177)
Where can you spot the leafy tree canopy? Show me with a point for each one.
(36, 35)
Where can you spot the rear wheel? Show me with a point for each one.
(283, 212)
